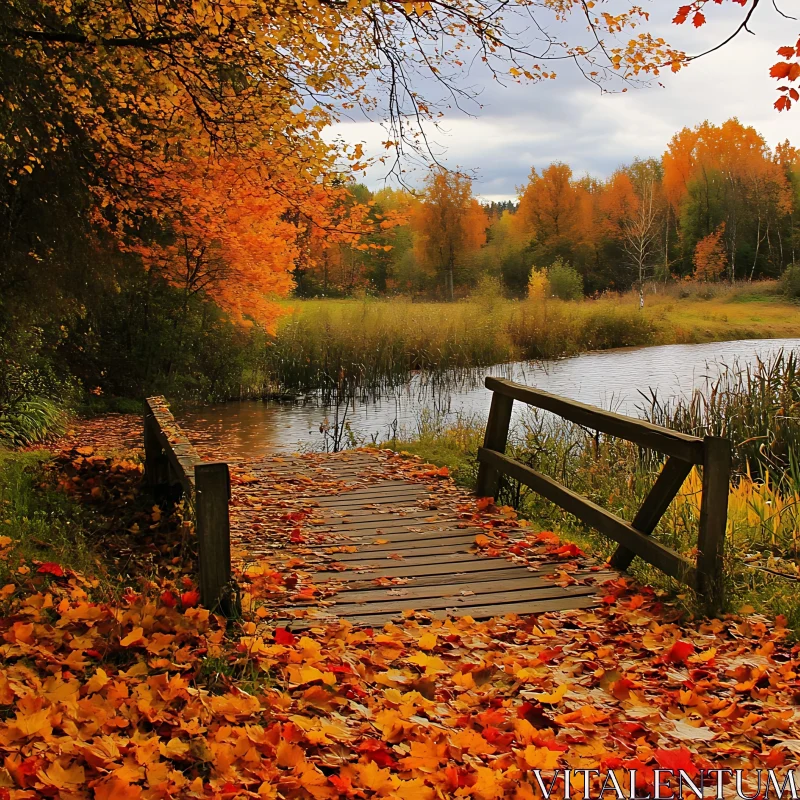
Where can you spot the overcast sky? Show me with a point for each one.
(518, 126)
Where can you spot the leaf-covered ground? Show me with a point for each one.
(140, 693)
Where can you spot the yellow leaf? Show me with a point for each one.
(556, 697)
(300, 675)
(705, 656)
(427, 641)
(61, 778)
(541, 757)
(97, 681)
(289, 755)
(132, 638)
(374, 778)
(33, 724)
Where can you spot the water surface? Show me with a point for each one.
(612, 379)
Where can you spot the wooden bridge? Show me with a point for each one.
(374, 535)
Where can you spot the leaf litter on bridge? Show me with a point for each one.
(141, 694)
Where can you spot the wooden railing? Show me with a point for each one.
(172, 469)
(712, 453)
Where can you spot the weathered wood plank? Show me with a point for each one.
(474, 588)
(495, 438)
(667, 485)
(713, 520)
(661, 556)
(486, 612)
(423, 549)
(366, 581)
(393, 606)
(214, 536)
(664, 440)
(411, 571)
(411, 542)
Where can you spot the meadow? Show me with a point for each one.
(364, 347)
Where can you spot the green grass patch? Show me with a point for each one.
(43, 524)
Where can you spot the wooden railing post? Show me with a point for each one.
(496, 438)
(713, 521)
(212, 493)
(155, 461)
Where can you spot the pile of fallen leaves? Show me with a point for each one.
(139, 693)
(149, 696)
(134, 535)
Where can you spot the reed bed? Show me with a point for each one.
(364, 348)
(756, 406)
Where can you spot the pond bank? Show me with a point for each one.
(344, 348)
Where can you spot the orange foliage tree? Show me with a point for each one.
(553, 207)
(732, 165)
(710, 258)
(226, 230)
(448, 224)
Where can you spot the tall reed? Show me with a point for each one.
(362, 349)
(757, 406)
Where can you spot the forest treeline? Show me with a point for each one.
(719, 204)
(98, 302)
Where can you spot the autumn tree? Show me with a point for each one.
(710, 256)
(449, 225)
(641, 233)
(727, 173)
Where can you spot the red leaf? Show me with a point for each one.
(484, 502)
(780, 70)
(282, 636)
(169, 599)
(786, 52)
(49, 568)
(376, 751)
(676, 760)
(189, 599)
(783, 103)
(569, 550)
(679, 652)
(698, 19)
(683, 13)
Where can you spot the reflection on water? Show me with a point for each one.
(611, 379)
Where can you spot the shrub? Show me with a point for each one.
(488, 289)
(566, 283)
(790, 282)
(538, 286)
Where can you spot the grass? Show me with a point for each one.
(43, 524)
(362, 348)
(31, 420)
(752, 407)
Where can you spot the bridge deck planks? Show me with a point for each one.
(390, 545)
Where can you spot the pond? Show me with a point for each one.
(614, 379)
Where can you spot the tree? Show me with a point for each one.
(449, 224)
(726, 173)
(641, 233)
(710, 258)
(549, 206)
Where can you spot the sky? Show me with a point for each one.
(515, 127)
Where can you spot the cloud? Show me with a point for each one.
(520, 126)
